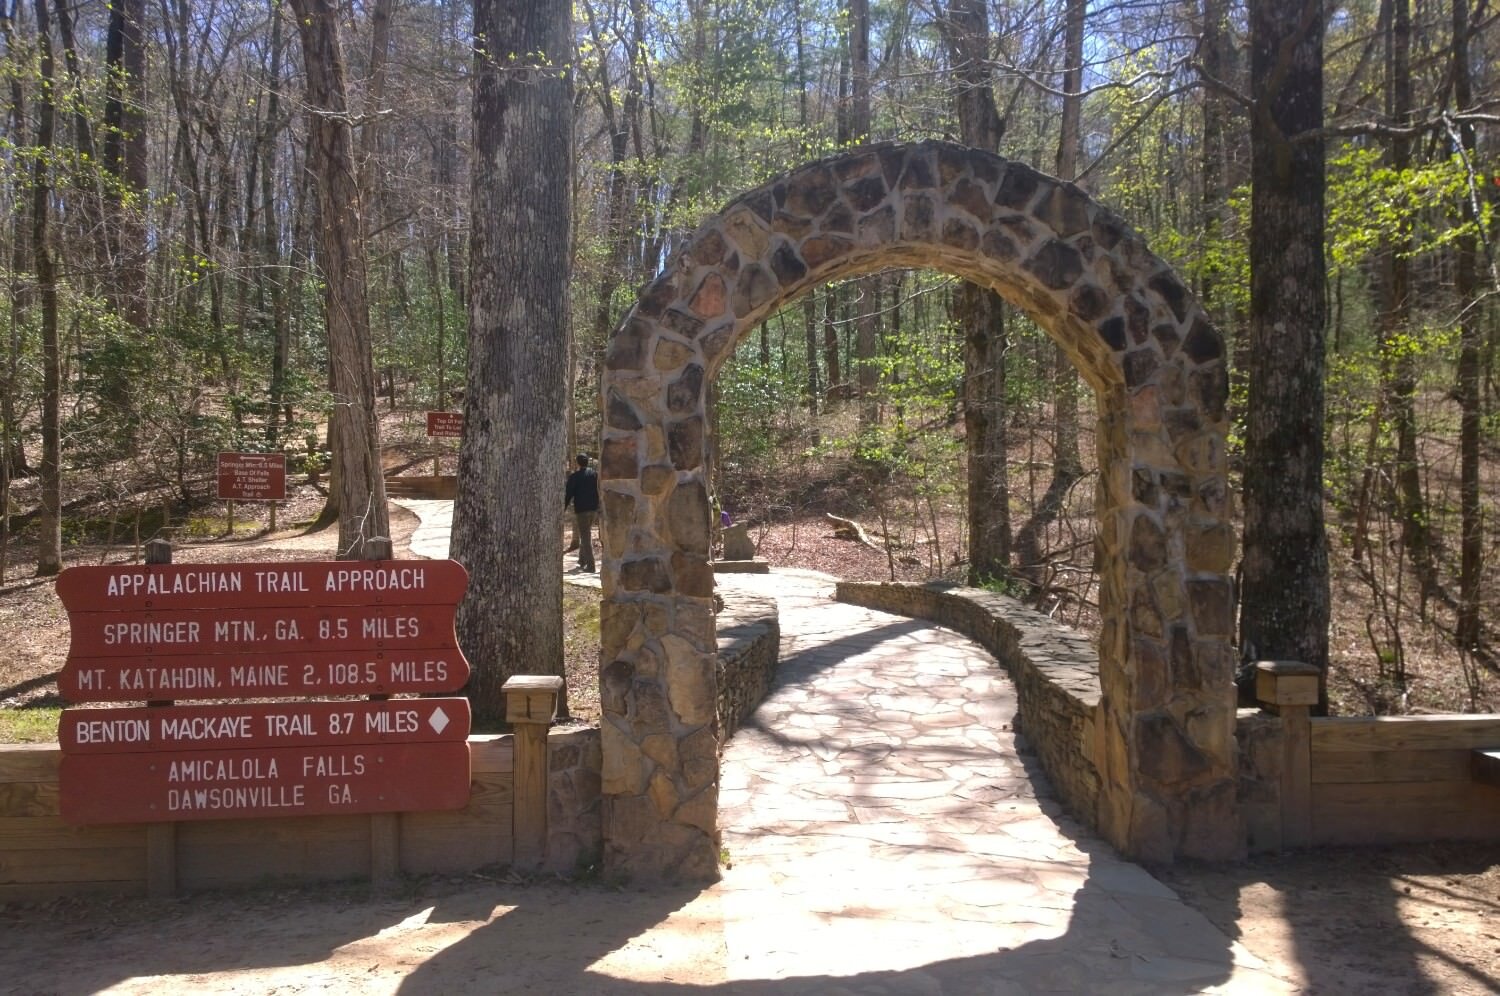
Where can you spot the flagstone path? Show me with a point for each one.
(887, 830)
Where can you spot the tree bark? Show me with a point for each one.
(49, 538)
(1284, 608)
(981, 314)
(867, 298)
(354, 431)
(1067, 466)
(1465, 279)
(506, 522)
(124, 155)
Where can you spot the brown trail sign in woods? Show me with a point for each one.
(218, 631)
(252, 476)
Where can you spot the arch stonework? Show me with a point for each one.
(1164, 742)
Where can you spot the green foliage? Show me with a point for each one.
(29, 725)
(1372, 205)
(754, 404)
(1004, 585)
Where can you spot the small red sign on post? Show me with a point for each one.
(447, 424)
(252, 476)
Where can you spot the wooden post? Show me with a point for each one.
(1289, 688)
(161, 838)
(530, 707)
(385, 828)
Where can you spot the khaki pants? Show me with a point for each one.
(583, 531)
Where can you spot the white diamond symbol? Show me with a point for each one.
(439, 720)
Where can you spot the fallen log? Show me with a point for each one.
(850, 530)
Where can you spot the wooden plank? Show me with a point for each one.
(313, 831)
(530, 824)
(1296, 777)
(161, 860)
(41, 892)
(74, 864)
(240, 852)
(30, 799)
(385, 847)
(1357, 766)
(1484, 766)
(1405, 812)
(29, 763)
(26, 833)
(451, 849)
(1405, 733)
(274, 861)
(492, 753)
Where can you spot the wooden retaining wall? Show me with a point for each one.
(1401, 779)
(41, 857)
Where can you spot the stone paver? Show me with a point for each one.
(888, 835)
(887, 832)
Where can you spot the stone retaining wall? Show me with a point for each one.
(574, 839)
(749, 633)
(1056, 671)
(1258, 735)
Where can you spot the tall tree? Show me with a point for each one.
(124, 154)
(507, 518)
(1067, 466)
(359, 487)
(981, 312)
(1284, 604)
(868, 298)
(1471, 521)
(49, 542)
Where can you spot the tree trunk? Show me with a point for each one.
(1284, 607)
(1067, 466)
(49, 538)
(867, 298)
(1471, 522)
(809, 303)
(354, 432)
(506, 522)
(124, 155)
(12, 456)
(981, 314)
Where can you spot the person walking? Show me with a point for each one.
(582, 492)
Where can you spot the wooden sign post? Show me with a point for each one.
(251, 477)
(206, 632)
(442, 425)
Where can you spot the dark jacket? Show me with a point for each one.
(582, 491)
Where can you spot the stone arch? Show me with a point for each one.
(1164, 741)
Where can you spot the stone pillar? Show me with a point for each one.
(659, 732)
